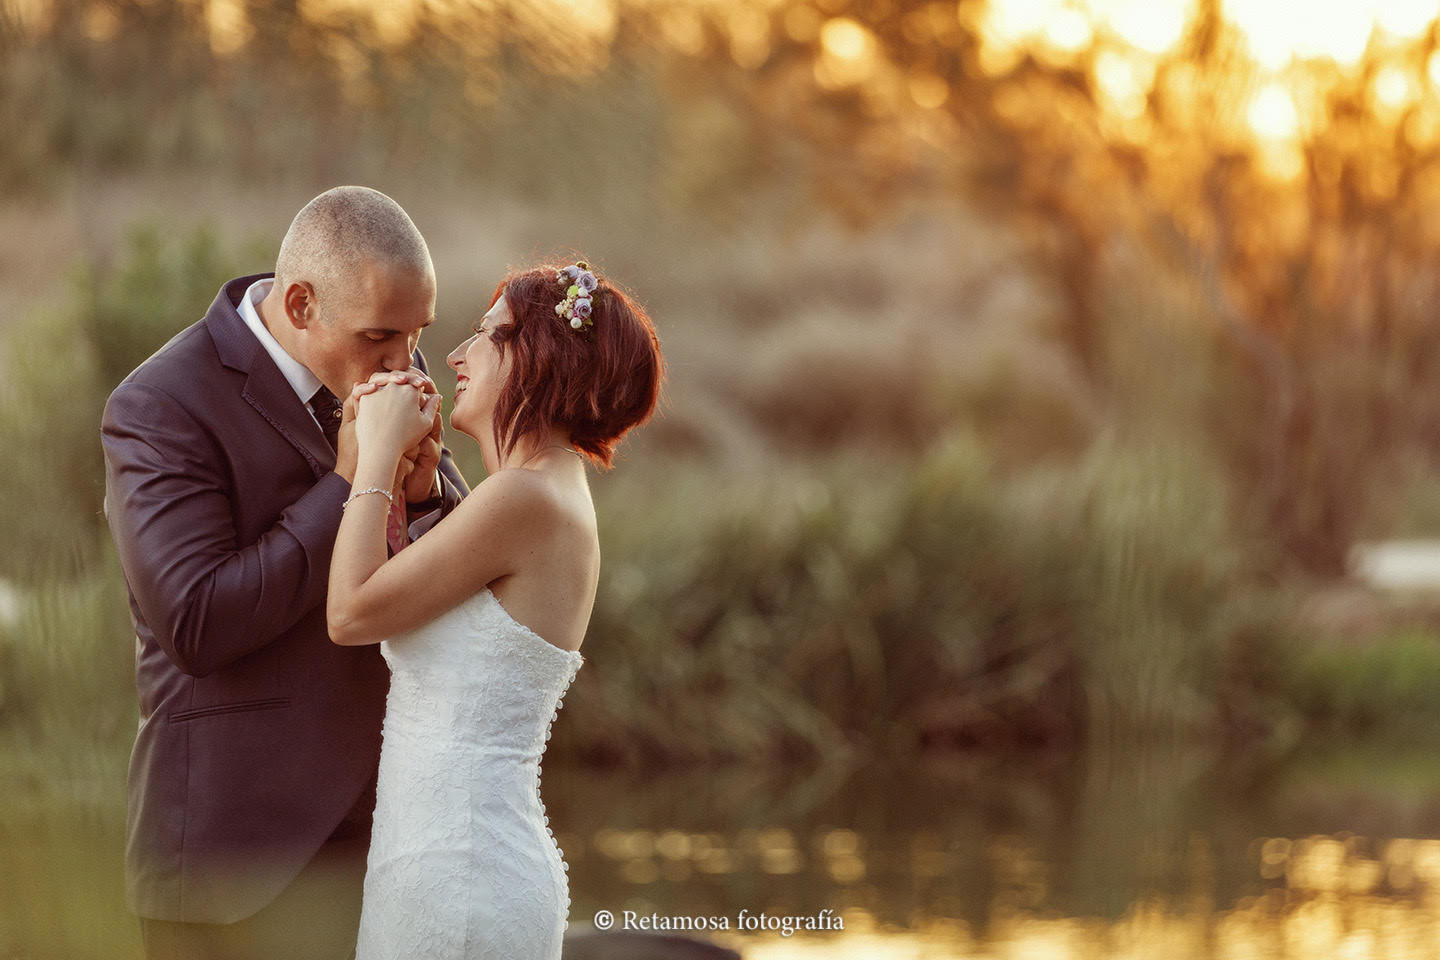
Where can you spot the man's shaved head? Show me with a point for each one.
(354, 287)
(343, 230)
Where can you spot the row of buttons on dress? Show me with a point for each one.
(555, 715)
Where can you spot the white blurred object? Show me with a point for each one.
(10, 601)
(1398, 564)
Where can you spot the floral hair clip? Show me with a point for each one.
(580, 286)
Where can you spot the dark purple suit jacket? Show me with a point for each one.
(257, 734)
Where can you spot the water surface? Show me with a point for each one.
(1149, 852)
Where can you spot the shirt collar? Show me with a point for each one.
(301, 380)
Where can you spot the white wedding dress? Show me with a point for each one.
(463, 862)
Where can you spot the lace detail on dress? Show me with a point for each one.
(463, 860)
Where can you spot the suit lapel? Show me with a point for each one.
(266, 388)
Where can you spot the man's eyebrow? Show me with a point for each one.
(394, 333)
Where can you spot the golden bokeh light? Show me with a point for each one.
(749, 30)
(1151, 27)
(1069, 31)
(847, 54)
(229, 25)
(590, 19)
(1393, 90)
(928, 90)
(683, 30)
(1124, 82)
(846, 39)
(1405, 18)
(1276, 32)
(1272, 114)
(1144, 24)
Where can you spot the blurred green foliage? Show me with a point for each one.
(61, 365)
(1389, 686)
(67, 706)
(842, 611)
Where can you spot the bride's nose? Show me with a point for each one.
(457, 356)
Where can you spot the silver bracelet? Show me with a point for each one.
(361, 493)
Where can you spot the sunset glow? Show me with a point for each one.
(1282, 75)
(1273, 32)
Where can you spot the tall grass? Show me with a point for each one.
(67, 720)
(840, 610)
(67, 708)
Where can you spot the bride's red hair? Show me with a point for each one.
(596, 383)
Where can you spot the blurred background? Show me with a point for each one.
(1031, 558)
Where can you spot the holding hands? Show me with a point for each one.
(397, 418)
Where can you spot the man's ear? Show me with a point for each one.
(299, 300)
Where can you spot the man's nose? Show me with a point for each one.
(397, 360)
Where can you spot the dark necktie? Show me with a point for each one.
(327, 409)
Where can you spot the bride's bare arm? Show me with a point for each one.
(372, 598)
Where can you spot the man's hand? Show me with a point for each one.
(420, 483)
(346, 448)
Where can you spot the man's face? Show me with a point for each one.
(372, 326)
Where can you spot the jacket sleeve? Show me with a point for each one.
(453, 488)
(207, 599)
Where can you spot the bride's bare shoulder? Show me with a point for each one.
(515, 494)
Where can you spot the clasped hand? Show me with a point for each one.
(398, 413)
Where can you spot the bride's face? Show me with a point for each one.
(480, 373)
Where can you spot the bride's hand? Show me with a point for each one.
(392, 415)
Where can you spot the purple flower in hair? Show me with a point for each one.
(587, 281)
(570, 273)
(582, 308)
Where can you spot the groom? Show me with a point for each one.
(227, 457)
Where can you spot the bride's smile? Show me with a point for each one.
(480, 372)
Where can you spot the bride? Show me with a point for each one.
(481, 619)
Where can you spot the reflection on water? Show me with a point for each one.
(1149, 853)
(1145, 854)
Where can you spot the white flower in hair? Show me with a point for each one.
(579, 285)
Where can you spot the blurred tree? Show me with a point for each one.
(1315, 277)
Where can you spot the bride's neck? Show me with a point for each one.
(526, 450)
